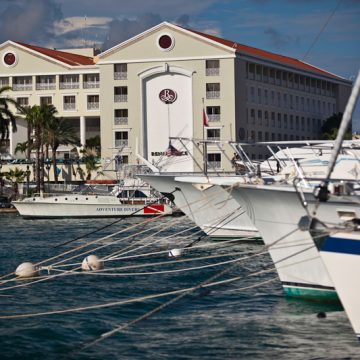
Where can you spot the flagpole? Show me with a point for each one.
(204, 143)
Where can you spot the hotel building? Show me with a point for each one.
(157, 84)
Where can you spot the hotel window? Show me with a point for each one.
(279, 120)
(296, 81)
(302, 83)
(93, 102)
(291, 80)
(212, 67)
(252, 116)
(285, 121)
(252, 94)
(308, 125)
(291, 137)
(313, 124)
(313, 86)
(45, 100)
(291, 101)
(266, 117)
(22, 83)
(313, 106)
(23, 102)
(266, 97)
(273, 137)
(252, 135)
(121, 116)
(121, 160)
(271, 76)
(302, 123)
(120, 71)
(4, 81)
(259, 135)
(279, 99)
(266, 136)
(285, 101)
(121, 139)
(91, 81)
(278, 77)
(214, 161)
(259, 115)
(297, 123)
(319, 107)
(213, 113)
(296, 103)
(284, 79)
(258, 72)
(272, 118)
(120, 94)
(213, 90)
(279, 137)
(291, 122)
(308, 105)
(285, 137)
(69, 81)
(259, 96)
(272, 97)
(324, 107)
(45, 82)
(302, 104)
(69, 102)
(319, 124)
(213, 134)
(251, 71)
(265, 74)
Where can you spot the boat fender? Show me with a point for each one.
(175, 252)
(92, 263)
(26, 269)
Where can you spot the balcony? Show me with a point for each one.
(45, 86)
(121, 143)
(213, 94)
(22, 87)
(69, 85)
(120, 98)
(69, 106)
(93, 105)
(120, 120)
(212, 71)
(91, 84)
(214, 117)
(120, 75)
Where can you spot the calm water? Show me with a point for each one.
(224, 323)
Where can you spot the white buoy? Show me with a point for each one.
(26, 269)
(175, 252)
(92, 263)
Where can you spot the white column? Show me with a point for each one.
(11, 140)
(82, 130)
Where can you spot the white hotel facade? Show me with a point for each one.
(248, 94)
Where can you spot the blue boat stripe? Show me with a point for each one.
(341, 245)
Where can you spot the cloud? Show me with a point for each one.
(281, 41)
(121, 30)
(29, 21)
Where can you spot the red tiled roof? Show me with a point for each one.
(266, 54)
(65, 57)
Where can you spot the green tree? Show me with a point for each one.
(7, 117)
(58, 131)
(15, 176)
(331, 126)
(21, 147)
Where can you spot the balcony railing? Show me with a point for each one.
(214, 165)
(213, 94)
(120, 75)
(212, 71)
(65, 85)
(49, 86)
(22, 87)
(121, 143)
(120, 98)
(93, 106)
(120, 120)
(69, 106)
(214, 117)
(216, 138)
(91, 84)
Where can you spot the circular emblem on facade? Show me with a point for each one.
(168, 96)
(165, 42)
(10, 59)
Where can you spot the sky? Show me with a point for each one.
(324, 33)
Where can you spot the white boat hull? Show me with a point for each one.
(210, 207)
(276, 212)
(85, 206)
(341, 255)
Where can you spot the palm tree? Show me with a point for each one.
(21, 147)
(58, 132)
(7, 118)
(15, 176)
(90, 161)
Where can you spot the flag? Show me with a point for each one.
(172, 151)
(205, 118)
